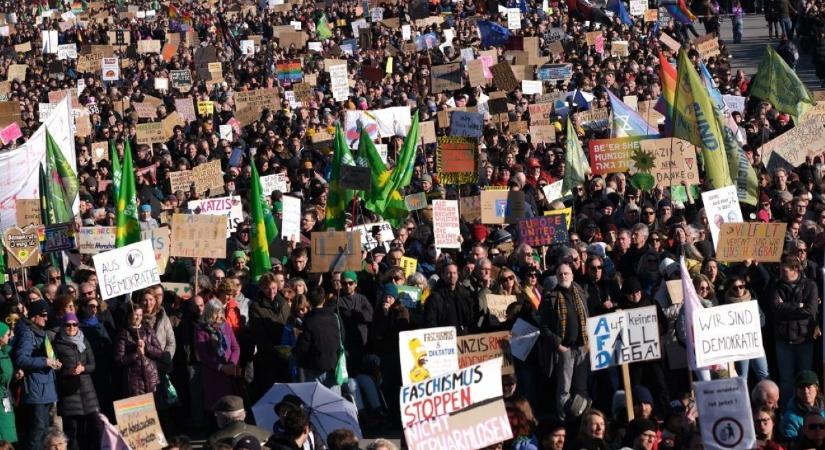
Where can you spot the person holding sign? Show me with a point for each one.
(737, 291)
(138, 352)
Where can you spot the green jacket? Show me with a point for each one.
(8, 431)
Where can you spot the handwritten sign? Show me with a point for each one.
(721, 206)
(497, 305)
(727, 333)
(762, 242)
(207, 176)
(675, 161)
(464, 123)
(93, 240)
(504, 78)
(623, 337)
(198, 236)
(446, 77)
(138, 423)
(150, 133)
(23, 245)
(477, 348)
(543, 230)
(336, 251)
(612, 155)
(457, 160)
(708, 46)
(126, 269)
(803, 140)
(446, 224)
(27, 211)
(220, 206)
(483, 424)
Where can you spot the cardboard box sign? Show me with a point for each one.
(335, 251)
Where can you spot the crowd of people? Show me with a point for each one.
(66, 354)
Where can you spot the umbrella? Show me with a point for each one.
(327, 410)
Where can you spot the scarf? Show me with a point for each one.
(217, 341)
(92, 321)
(78, 340)
(561, 307)
(150, 319)
(746, 297)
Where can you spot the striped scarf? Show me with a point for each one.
(561, 307)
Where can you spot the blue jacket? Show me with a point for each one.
(794, 417)
(30, 355)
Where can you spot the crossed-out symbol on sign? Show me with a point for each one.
(728, 432)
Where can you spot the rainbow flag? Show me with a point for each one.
(289, 71)
(667, 75)
(680, 12)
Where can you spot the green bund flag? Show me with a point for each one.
(777, 83)
(385, 197)
(68, 177)
(338, 198)
(694, 120)
(259, 238)
(322, 27)
(61, 184)
(128, 227)
(575, 163)
(116, 173)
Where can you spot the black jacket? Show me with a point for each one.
(76, 393)
(317, 346)
(451, 308)
(795, 307)
(356, 317)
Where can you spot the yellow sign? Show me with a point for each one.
(409, 265)
(205, 107)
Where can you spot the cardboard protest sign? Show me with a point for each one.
(724, 411)
(180, 181)
(258, 99)
(553, 191)
(469, 124)
(335, 251)
(446, 77)
(150, 133)
(612, 155)
(470, 208)
(426, 353)
(160, 238)
(543, 230)
(480, 426)
(354, 177)
(207, 176)
(761, 242)
(145, 110)
(707, 46)
(595, 119)
(493, 206)
(540, 115)
(446, 224)
(93, 240)
(793, 146)
(220, 206)
(727, 333)
(126, 269)
(721, 206)
(477, 348)
(623, 337)
(181, 290)
(198, 236)
(27, 211)
(416, 201)
(497, 305)
(457, 160)
(675, 161)
(22, 245)
(138, 423)
(504, 78)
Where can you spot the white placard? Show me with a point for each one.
(721, 206)
(110, 69)
(428, 353)
(725, 414)
(553, 190)
(446, 227)
(368, 241)
(523, 337)
(295, 24)
(66, 51)
(49, 38)
(467, 54)
(406, 32)
(727, 333)
(162, 84)
(315, 46)
(93, 240)
(225, 132)
(248, 46)
(376, 14)
(734, 103)
(638, 7)
(530, 87)
(623, 337)
(514, 18)
(291, 225)
(274, 182)
(126, 269)
(339, 82)
(226, 206)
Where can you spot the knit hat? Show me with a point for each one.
(391, 290)
(632, 285)
(640, 393)
(70, 317)
(637, 427)
(37, 308)
(239, 254)
(349, 276)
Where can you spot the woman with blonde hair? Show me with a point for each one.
(593, 431)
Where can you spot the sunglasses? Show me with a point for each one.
(70, 325)
(738, 286)
(816, 426)
(596, 267)
(508, 278)
(349, 283)
(532, 275)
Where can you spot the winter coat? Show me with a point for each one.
(216, 383)
(30, 355)
(266, 326)
(141, 371)
(8, 430)
(451, 308)
(794, 416)
(356, 316)
(103, 350)
(317, 346)
(166, 338)
(795, 307)
(77, 392)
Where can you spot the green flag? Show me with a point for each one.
(68, 177)
(46, 212)
(3, 277)
(259, 239)
(576, 166)
(322, 28)
(116, 173)
(60, 207)
(694, 120)
(777, 83)
(338, 198)
(385, 197)
(128, 227)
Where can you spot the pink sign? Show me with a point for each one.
(10, 133)
(486, 63)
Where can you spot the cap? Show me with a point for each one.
(145, 208)
(70, 317)
(247, 442)
(806, 378)
(228, 403)
(427, 177)
(38, 307)
(349, 276)
(238, 254)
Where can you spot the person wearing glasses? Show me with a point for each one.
(737, 292)
(98, 328)
(356, 317)
(602, 292)
(764, 422)
(806, 400)
(34, 355)
(78, 404)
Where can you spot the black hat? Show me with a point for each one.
(289, 401)
(631, 286)
(228, 403)
(37, 308)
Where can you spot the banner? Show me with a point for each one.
(427, 353)
(138, 423)
(612, 155)
(543, 230)
(761, 242)
(477, 348)
(624, 337)
(725, 416)
(198, 236)
(446, 224)
(220, 206)
(721, 206)
(450, 392)
(94, 240)
(126, 269)
(727, 333)
(473, 428)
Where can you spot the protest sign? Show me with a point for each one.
(181, 79)
(181, 290)
(727, 333)
(93, 240)
(493, 206)
(651, 15)
(721, 206)
(220, 206)
(761, 242)
(410, 296)
(150, 133)
(27, 211)
(457, 160)
(612, 155)
(426, 353)
(497, 305)
(522, 338)
(555, 72)
(446, 77)
(198, 236)
(532, 87)
(623, 337)
(540, 114)
(553, 190)
(464, 123)
(470, 208)
(355, 177)
(145, 110)
(543, 230)
(477, 348)
(671, 43)
(160, 238)
(56, 238)
(707, 46)
(138, 423)
(796, 144)
(476, 427)
(416, 201)
(595, 119)
(724, 411)
(23, 245)
(369, 231)
(110, 69)
(335, 251)
(446, 227)
(180, 181)
(186, 108)
(504, 78)
(274, 182)
(675, 161)
(207, 176)
(410, 265)
(126, 269)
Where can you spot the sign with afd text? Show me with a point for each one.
(623, 337)
(725, 414)
(126, 269)
(727, 333)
